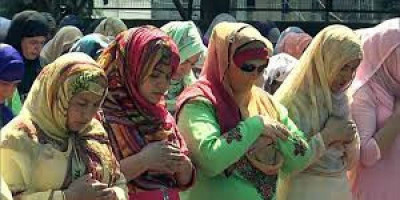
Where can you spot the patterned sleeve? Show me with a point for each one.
(211, 150)
(298, 151)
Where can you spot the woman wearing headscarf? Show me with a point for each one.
(315, 96)
(55, 149)
(11, 72)
(111, 26)
(279, 67)
(294, 44)
(27, 34)
(191, 48)
(71, 20)
(235, 131)
(223, 17)
(376, 111)
(92, 45)
(52, 24)
(4, 26)
(144, 136)
(60, 44)
(269, 30)
(293, 41)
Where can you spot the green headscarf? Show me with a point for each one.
(188, 39)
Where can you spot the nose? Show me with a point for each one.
(163, 84)
(88, 114)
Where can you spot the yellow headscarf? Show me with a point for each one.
(45, 111)
(306, 92)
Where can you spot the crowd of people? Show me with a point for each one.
(243, 112)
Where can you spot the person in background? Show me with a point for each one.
(315, 94)
(153, 156)
(55, 149)
(92, 45)
(11, 72)
(278, 69)
(4, 26)
(60, 44)
(223, 17)
(52, 24)
(27, 34)
(269, 30)
(111, 27)
(71, 20)
(376, 111)
(191, 48)
(293, 44)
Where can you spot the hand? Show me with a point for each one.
(265, 157)
(273, 129)
(87, 188)
(184, 172)
(162, 157)
(339, 130)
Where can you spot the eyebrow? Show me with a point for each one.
(157, 69)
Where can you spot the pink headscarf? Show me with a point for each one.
(294, 44)
(380, 68)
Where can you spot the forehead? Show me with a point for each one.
(87, 97)
(35, 39)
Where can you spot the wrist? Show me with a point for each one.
(142, 161)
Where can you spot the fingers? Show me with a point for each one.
(99, 186)
(107, 193)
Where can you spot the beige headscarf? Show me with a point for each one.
(306, 92)
(60, 44)
(111, 27)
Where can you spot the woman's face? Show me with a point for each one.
(186, 66)
(82, 108)
(31, 46)
(242, 78)
(345, 77)
(155, 86)
(6, 90)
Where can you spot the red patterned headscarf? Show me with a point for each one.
(132, 121)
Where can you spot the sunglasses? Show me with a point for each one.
(250, 68)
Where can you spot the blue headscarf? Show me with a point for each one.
(92, 45)
(12, 70)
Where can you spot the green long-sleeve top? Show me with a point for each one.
(213, 152)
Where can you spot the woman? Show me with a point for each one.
(4, 26)
(223, 17)
(293, 44)
(60, 44)
(314, 92)
(111, 27)
(376, 109)
(231, 126)
(11, 72)
(139, 66)
(269, 30)
(279, 67)
(92, 45)
(56, 133)
(191, 48)
(27, 34)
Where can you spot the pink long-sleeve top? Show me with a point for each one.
(378, 174)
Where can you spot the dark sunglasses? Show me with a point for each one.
(250, 68)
